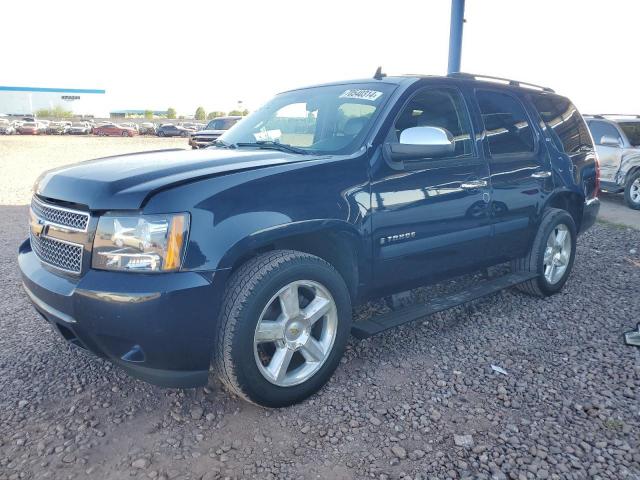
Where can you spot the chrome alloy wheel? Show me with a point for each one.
(295, 333)
(557, 253)
(634, 191)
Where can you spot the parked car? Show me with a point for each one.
(114, 130)
(254, 252)
(131, 125)
(170, 130)
(617, 139)
(80, 128)
(31, 128)
(212, 131)
(148, 128)
(193, 127)
(58, 128)
(6, 127)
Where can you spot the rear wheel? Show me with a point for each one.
(632, 191)
(551, 255)
(161, 133)
(125, 134)
(284, 323)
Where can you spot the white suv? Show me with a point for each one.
(617, 140)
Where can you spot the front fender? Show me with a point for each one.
(266, 237)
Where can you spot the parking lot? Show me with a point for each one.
(420, 401)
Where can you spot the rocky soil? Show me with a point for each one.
(421, 401)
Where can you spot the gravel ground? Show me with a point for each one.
(418, 402)
(24, 158)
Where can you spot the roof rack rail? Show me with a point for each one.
(513, 83)
(603, 115)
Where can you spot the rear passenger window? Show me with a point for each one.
(437, 107)
(563, 122)
(602, 129)
(506, 124)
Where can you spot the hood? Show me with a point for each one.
(210, 132)
(125, 181)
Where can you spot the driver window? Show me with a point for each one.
(437, 107)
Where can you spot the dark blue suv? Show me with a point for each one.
(249, 255)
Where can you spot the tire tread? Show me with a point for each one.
(241, 284)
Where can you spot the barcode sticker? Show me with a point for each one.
(361, 94)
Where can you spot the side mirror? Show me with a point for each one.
(607, 141)
(418, 143)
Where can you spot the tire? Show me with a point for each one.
(553, 221)
(251, 293)
(161, 134)
(632, 191)
(125, 134)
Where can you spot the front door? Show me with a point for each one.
(430, 219)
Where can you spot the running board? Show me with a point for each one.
(386, 321)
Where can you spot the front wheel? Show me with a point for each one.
(632, 191)
(551, 255)
(283, 327)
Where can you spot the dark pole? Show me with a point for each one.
(455, 35)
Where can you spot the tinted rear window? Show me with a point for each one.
(563, 122)
(506, 124)
(632, 131)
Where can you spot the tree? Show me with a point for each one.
(148, 114)
(215, 114)
(200, 114)
(55, 112)
(171, 112)
(239, 113)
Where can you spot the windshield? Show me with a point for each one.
(221, 124)
(632, 131)
(331, 119)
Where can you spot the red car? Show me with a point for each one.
(30, 128)
(114, 130)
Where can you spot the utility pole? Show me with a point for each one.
(455, 35)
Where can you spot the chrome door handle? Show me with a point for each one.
(473, 185)
(545, 174)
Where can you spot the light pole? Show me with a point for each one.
(455, 35)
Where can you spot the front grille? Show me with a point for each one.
(60, 216)
(207, 139)
(62, 255)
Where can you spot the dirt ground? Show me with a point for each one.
(419, 402)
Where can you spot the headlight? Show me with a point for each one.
(140, 243)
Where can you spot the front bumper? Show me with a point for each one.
(157, 327)
(589, 213)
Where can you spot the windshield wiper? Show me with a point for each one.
(283, 147)
(221, 144)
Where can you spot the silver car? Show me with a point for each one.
(617, 139)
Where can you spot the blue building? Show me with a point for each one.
(28, 100)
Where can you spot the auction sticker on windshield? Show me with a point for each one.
(361, 94)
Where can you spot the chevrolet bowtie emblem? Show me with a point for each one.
(37, 228)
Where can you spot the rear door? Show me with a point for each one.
(520, 171)
(608, 155)
(431, 219)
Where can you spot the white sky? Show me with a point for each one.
(152, 54)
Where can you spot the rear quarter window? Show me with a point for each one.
(561, 119)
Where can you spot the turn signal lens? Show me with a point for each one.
(175, 239)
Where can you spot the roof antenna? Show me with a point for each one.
(379, 75)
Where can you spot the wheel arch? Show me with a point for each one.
(336, 242)
(569, 201)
